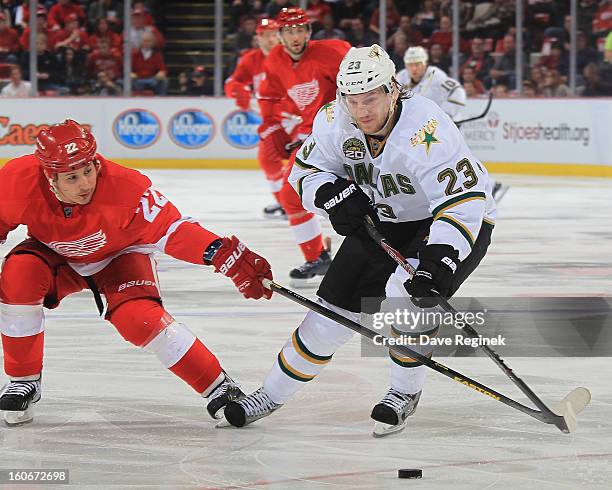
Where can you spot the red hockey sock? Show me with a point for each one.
(312, 248)
(198, 367)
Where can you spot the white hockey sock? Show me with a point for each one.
(306, 353)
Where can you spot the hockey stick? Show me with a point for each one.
(565, 419)
(563, 416)
(483, 114)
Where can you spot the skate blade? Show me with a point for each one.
(501, 193)
(382, 430)
(17, 418)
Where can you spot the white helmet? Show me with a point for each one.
(416, 54)
(364, 69)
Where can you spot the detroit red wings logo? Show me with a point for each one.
(304, 94)
(81, 247)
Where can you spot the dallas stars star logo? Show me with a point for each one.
(429, 139)
(426, 136)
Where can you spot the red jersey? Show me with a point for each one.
(309, 83)
(125, 215)
(249, 71)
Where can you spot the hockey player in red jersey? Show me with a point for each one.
(304, 72)
(94, 224)
(242, 85)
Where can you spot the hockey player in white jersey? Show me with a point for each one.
(380, 151)
(431, 82)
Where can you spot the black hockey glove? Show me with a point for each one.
(347, 205)
(437, 266)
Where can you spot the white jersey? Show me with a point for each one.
(422, 169)
(437, 86)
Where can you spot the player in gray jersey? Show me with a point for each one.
(380, 151)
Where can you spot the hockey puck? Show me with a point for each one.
(409, 473)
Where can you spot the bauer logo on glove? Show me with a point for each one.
(342, 195)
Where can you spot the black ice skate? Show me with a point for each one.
(310, 272)
(499, 190)
(391, 414)
(253, 407)
(17, 400)
(274, 211)
(227, 391)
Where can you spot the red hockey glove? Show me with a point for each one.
(245, 268)
(243, 97)
(274, 139)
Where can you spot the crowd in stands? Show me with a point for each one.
(487, 38)
(79, 44)
(79, 47)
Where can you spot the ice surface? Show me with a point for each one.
(114, 417)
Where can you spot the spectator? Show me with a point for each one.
(317, 10)
(478, 59)
(537, 77)
(444, 36)
(501, 91)
(72, 70)
(529, 89)
(329, 31)
(105, 86)
(199, 82)
(9, 41)
(106, 60)
(16, 87)
(41, 28)
(470, 89)
(148, 68)
(425, 18)
(557, 59)
(103, 31)
(139, 28)
(72, 36)
(504, 68)
(553, 85)
(393, 17)
(414, 37)
(243, 8)
(183, 83)
(146, 15)
(438, 58)
(275, 6)
(346, 11)
(587, 9)
(397, 55)
(469, 76)
(585, 53)
(60, 11)
(111, 10)
(359, 35)
(245, 35)
(602, 20)
(608, 49)
(48, 69)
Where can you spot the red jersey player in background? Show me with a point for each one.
(304, 72)
(242, 85)
(94, 224)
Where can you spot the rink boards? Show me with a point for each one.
(524, 136)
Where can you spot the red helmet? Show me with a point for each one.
(291, 17)
(266, 25)
(65, 147)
